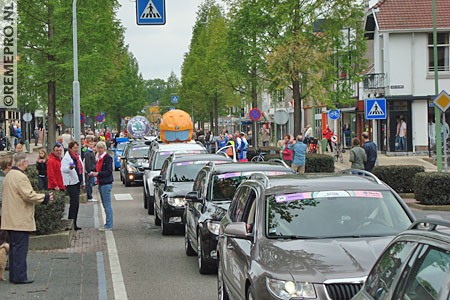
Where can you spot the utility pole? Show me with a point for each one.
(437, 112)
(76, 83)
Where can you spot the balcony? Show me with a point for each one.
(374, 81)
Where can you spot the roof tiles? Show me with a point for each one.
(411, 14)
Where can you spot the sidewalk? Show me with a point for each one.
(78, 272)
(384, 160)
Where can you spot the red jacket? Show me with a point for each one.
(54, 174)
(327, 133)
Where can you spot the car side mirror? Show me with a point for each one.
(158, 179)
(193, 196)
(238, 230)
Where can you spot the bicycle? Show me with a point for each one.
(313, 146)
(259, 157)
(338, 150)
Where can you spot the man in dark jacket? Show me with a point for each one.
(89, 166)
(371, 152)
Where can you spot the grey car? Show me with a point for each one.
(306, 237)
(415, 265)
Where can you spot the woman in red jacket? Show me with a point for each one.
(54, 175)
(328, 134)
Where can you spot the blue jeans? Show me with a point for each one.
(89, 184)
(105, 194)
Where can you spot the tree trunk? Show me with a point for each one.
(297, 108)
(119, 119)
(216, 114)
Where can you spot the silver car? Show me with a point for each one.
(306, 237)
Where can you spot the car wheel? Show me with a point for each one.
(250, 293)
(202, 266)
(151, 205)
(157, 219)
(187, 243)
(127, 183)
(145, 199)
(165, 228)
(221, 290)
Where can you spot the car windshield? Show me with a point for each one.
(224, 185)
(334, 214)
(188, 170)
(138, 152)
(121, 146)
(162, 155)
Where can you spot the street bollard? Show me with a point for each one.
(27, 146)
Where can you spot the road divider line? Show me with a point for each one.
(120, 292)
(102, 293)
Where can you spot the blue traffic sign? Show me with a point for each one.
(375, 109)
(334, 114)
(151, 12)
(174, 99)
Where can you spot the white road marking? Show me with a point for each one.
(116, 272)
(121, 197)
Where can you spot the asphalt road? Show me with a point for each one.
(153, 266)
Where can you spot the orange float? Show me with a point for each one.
(176, 126)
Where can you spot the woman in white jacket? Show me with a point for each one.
(73, 178)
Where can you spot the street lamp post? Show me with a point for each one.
(76, 83)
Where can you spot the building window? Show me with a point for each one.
(443, 47)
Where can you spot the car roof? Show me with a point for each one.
(179, 146)
(245, 167)
(428, 227)
(322, 182)
(199, 157)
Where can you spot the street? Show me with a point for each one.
(153, 266)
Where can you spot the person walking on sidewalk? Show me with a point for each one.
(13, 136)
(54, 175)
(19, 200)
(73, 178)
(371, 152)
(89, 166)
(105, 179)
(357, 155)
(41, 166)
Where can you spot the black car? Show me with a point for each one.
(133, 161)
(415, 265)
(213, 190)
(177, 176)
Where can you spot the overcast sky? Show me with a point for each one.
(159, 49)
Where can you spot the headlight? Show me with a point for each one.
(282, 289)
(213, 227)
(178, 202)
(131, 169)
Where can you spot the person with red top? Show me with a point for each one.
(285, 151)
(328, 134)
(54, 175)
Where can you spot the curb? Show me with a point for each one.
(59, 240)
(428, 207)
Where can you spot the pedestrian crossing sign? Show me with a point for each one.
(151, 12)
(375, 109)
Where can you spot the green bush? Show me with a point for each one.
(432, 188)
(48, 217)
(319, 163)
(399, 177)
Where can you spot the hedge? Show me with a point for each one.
(319, 163)
(399, 177)
(48, 217)
(432, 188)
